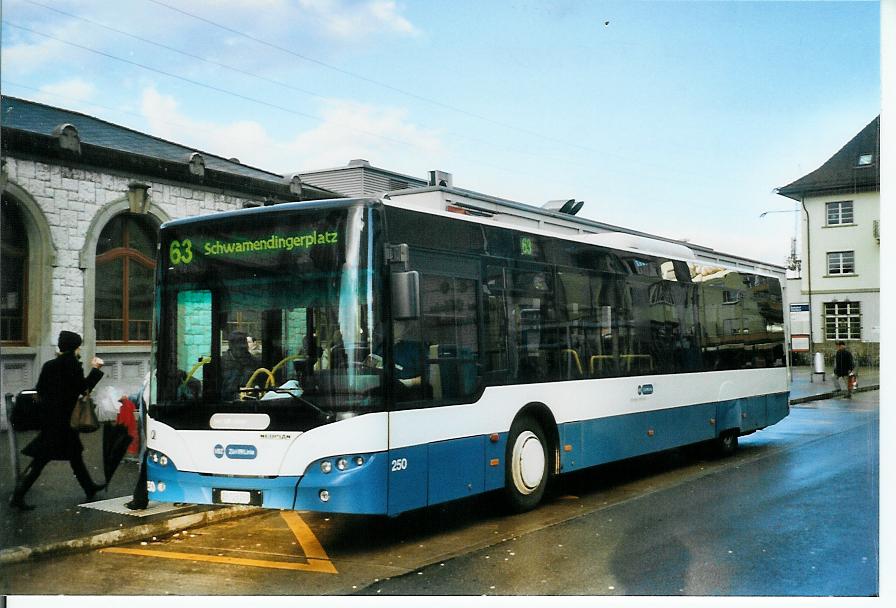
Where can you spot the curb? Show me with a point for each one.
(107, 538)
(832, 394)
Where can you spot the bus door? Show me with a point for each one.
(435, 358)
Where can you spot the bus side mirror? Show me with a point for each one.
(406, 295)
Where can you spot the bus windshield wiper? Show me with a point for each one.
(292, 393)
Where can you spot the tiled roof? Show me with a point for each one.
(843, 172)
(36, 120)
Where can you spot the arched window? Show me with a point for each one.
(14, 276)
(125, 263)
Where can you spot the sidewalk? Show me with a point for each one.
(58, 524)
(806, 386)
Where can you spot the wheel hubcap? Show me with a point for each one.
(528, 462)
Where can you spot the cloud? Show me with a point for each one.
(71, 89)
(31, 52)
(347, 19)
(347, 130)
(355, 130)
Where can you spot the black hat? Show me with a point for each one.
(237, 336)
(68, 341)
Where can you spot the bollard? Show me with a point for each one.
(817, 367)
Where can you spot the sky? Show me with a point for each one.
(675, 118)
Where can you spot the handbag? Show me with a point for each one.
(26, 413)
(84, 418)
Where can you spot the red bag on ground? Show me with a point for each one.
(129, 420)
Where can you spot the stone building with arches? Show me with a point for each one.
(82, 202)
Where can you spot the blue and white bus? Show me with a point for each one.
(357, 356)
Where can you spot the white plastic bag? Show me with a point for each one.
(107, 403)
(291, 387)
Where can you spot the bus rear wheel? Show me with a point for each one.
(726, 444)
(526, 465)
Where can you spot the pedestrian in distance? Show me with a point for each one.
(844, 367)
(59, 385)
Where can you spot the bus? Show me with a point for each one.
(359, 356)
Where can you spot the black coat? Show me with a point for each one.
(60, 383)
(843, 363)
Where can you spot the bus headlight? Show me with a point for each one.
(326, 466)
(359, 460)
(324, 495)
(159, 458)
(342, 464)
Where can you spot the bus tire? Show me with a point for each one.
(526, 469)
(726, 444)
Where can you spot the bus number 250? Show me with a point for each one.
(399, 464)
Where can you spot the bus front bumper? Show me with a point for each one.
(359, 489)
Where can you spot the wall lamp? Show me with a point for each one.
(138, 197)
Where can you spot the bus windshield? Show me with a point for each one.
(275, 314)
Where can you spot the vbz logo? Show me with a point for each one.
(645, 389)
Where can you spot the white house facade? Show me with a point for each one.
(839, 286)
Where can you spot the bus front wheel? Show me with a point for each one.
(726, 444)
(526, 468)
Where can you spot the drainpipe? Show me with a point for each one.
(809, 272)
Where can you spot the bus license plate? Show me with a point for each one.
(236, 497)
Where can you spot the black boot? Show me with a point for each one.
(18, 502)
(83, 477)
(91, 490)
(24, 483)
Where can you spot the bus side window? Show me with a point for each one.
(451, 335)
(533, 333)
(494, 307)
(577, 326)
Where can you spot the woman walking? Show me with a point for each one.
(59, 385)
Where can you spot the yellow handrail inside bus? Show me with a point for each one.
(202, 361)
(283, 362)
(599, 359)
(575, 357)
(269, 382)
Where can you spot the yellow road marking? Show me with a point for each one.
(318, 561)
(307, 540)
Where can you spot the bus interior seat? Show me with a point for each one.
(452, 371)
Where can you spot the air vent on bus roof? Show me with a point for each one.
(441, 178)
(568, 206)
(640, 243)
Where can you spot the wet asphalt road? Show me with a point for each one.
(796, 514)
(793, 513)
